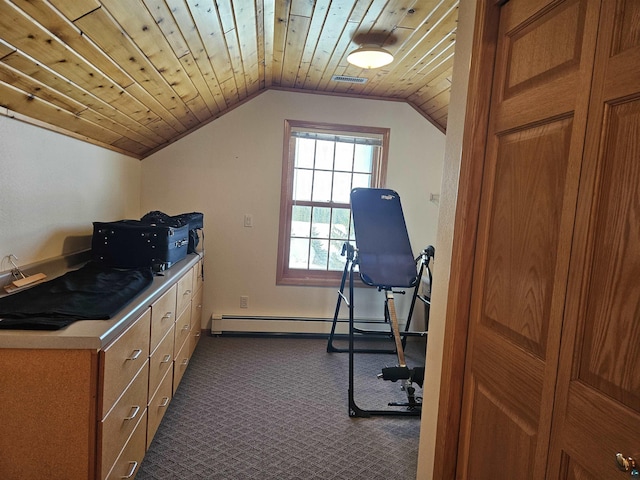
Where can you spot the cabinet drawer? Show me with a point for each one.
(163, 315)
(183, 327)
(158, 405)
(161, 361)
(123, 359)
(194, 339)
(196, 319)
(197, 275)
(185, 289)
(128, 463)
(118, 425)
(196, 311)
(180, 366)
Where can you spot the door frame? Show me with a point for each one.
(458, 299)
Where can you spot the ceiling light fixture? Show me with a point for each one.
(370, 56)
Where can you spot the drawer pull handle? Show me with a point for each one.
(197, 335)
(166, 359)
(199, 306)
(134, 356)
(134, 465)
(185, 362)
(165, 402)
(167, 315)
(134, 413)
(186, 292)
(185, 327)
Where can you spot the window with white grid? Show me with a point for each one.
(322, 163)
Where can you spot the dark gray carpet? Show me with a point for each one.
(276, 409)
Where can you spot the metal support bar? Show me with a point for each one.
(412, 407)
(350, 252)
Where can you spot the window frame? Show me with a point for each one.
(302, 277)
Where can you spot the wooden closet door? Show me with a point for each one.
(533, 156)
(597, 413)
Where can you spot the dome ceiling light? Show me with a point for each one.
(370, 56)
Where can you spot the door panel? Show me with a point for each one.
(572, 470)
(610, 343)
(592, 435)
(627, 35)
(504, 425)
(597, 408)
(541, 60)
(534, 55)
(532, 163)
(523, 233)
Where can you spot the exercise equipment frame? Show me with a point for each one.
(384, 260)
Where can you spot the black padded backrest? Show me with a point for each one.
(385, 257)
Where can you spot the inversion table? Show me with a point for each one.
(384, 260)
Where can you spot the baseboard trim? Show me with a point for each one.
(275, 325)
(297, 319)
(273, 335)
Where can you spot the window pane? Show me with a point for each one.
(322, 186)
(344, 156)
(305, 149)
(363, 161)
(352, 233)
(319, 254)
(300, 221)
(321, 222)
(340, 223)
(324, 155)
(341, 187)
(336, 260)
(302, 181)
(299, 253)
(361, 180)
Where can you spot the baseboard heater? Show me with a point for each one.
(234, 324)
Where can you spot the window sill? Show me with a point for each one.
(305, 278)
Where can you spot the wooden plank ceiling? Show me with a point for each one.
(135, 75)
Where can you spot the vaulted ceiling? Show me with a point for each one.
(135, 75)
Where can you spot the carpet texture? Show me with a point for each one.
(276, 409)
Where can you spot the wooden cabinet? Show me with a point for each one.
(196, 319)
(47, 398)
(163, 316)
(158, 404)
(181, 363)
(124, 374)
(118, 425)
(184, 291)
(168, 358)
(90, 412)
(188, 325)
(161, 361)
(122, 360)
(182, 346)
(196, 304)
(183, 328)
(198, 275)
(131, 457)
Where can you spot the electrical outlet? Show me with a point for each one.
(248, 220)
(244, 301)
